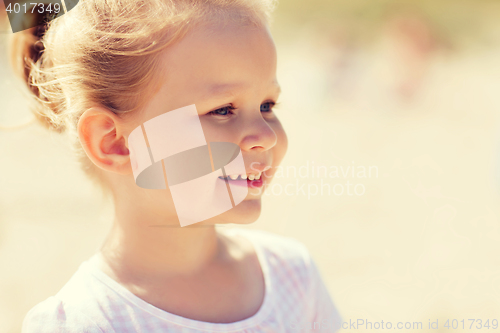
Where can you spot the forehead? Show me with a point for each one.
(215, 55)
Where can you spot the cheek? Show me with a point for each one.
(214, 133)
(281, 145)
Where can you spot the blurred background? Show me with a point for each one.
(409, 90)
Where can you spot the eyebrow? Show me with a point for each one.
(227, 90)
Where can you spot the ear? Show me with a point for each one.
(102, 136)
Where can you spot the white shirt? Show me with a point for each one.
(296, 299)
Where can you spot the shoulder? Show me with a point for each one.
(53, 315)
(296, 280)
(77, 307)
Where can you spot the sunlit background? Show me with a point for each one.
(409, 90)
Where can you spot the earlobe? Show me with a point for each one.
(102, 136)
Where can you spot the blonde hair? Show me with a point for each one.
(105, 52)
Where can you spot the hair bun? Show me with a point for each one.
(27, 48)
(26, 43)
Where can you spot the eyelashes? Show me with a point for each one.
(224, 111)
(266, 107)
(271, 106)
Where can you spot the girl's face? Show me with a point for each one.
(229, 73)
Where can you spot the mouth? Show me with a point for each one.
(250, 180)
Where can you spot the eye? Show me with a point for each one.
(267, 107)
(223, 111)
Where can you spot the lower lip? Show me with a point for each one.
(247, 183)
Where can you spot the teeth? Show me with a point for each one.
(243, 177)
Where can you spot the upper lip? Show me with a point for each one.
(259, 167)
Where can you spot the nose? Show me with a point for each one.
(258, 135)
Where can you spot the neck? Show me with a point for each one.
(158, 249)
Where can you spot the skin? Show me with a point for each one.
(196, 272)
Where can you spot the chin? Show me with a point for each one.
(246, 212)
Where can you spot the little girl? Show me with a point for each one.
(104, 69)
